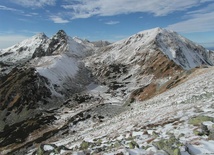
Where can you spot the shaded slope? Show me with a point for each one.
(24, 100)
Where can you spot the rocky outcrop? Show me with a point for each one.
(55, 45)
(22, 87)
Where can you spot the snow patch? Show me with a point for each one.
(56, 68)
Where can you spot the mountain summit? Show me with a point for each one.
(182, 51)
(59, 87)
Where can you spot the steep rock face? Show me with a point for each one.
(181, 50)
(55, 44)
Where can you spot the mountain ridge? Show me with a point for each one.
(161, 38)
(148, 57)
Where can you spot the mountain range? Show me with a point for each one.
(64, 95)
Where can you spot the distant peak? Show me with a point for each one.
(154, 32)
(40, 35)
(155, 29)
(75, 37)
(61, 34)
(158, 28)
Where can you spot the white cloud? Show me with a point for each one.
(10, 9)
(58, 19)
(206, 0)
(34, 3)
(207, 9)
(112, 22)
(203, 22)
(31, 14)
(10, 40)
(86, 8)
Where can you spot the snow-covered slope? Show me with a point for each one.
(56, 58)
(62, 65)
(23, 50)
(177, 48)
(181, 50)
(159, 118)
(20, 53)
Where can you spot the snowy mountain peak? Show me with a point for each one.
(61, 32)
(151, 32)
(156, 29)
(182, 51)
(40, 36)
(60, 35)
(20, 53)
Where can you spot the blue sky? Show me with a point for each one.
(105, 19)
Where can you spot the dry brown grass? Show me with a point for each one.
(160, 66)
(148, 92)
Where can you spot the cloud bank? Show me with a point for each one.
(34, 3)
(201, 20)
(4, 8)
(112, 22)
(58, 20)
(197, 20)
(88, 8)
